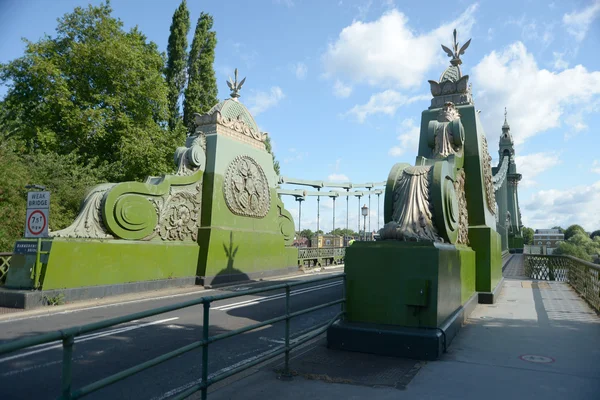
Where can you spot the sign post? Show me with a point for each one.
(36, 225)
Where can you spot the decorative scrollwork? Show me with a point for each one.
(286, 224)
(179, 214)
(88, 223)
(246, 188)
(486, 161)
(412, 209)
(463, 219)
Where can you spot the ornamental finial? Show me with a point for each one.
(235, 86)
(456, 53)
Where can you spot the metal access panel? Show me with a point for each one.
(417, 292)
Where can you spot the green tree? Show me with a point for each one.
(527, 235)
(177, 60)
(595, 234)
(201, 92)
(93, 90)
(561, 230)
(14, 175)
(579, 245)
(269, 148)
(307, 233)
(573, 230)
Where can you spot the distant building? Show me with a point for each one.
(548, 237)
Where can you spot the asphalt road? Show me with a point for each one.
(35, 373)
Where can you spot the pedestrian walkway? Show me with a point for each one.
(539, 341)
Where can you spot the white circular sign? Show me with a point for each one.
(36, 222)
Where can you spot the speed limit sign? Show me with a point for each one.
(38, 204)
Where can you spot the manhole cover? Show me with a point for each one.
(537, 359)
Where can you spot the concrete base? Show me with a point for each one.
(227, 279)
(28, 299)
(399, 341)
(490, 297)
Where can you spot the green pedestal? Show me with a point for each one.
(487, 245)
(84, 263)
(414, 294)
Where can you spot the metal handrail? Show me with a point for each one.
(4, 265)
(68, 339)
(582, 275)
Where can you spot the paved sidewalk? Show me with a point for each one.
(540, 340)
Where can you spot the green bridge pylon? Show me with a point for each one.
(440, 253)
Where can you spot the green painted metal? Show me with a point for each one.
(4, 265)
(383, 277)
(486, 243)
(321, 255)
(583, 276)
(236, 244)
(80, 263)
(68, 337)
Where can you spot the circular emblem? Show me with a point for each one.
(537, 359)
(246, 188)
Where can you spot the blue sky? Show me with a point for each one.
(340, 85)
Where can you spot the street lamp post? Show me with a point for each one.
(365, 211)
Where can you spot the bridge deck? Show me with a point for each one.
(540, 340)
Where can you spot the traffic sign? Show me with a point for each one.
(38, 207)
(37, 223)
(38, 200)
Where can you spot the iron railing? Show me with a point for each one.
(68, 339)
(583, 276)
(4, 264)
(321, 255)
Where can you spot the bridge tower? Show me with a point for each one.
(509, 223)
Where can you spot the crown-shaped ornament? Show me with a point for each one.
(452, 81)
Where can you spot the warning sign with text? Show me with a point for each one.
(38, 206)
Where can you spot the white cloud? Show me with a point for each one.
(596, 167)
(338, 178)
(577, 205)
(300, 69)
(341, 90)
(559, 62)
(409, 139)
(388, 51)
(537, 99)
(386, 102)
(262, 101)
(534, 164)
(532, 31)
(578, 23)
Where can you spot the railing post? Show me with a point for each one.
(286, 369)
(205, 326)
(68, 342)
(344, 297)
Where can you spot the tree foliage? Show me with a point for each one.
(527, 235)
(573, 230)
(269, 148)
(177, 60)
(579, 245)
(201, 91)
(93, 90)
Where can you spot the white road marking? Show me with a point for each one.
(247, 303)
(37, 366)
(3, 321)
(106, 306)
(85, 338)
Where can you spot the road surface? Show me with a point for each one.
(35, 373)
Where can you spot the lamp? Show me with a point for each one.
(365, 211)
